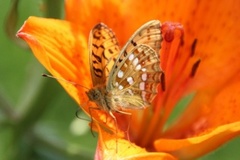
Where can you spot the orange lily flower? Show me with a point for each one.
(204, 63)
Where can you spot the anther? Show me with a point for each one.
(193, 47)
(163, 82)
(194, 68)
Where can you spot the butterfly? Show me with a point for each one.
(125, 78)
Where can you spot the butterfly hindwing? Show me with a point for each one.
(136, 71)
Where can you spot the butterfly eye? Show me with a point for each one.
(96, 95)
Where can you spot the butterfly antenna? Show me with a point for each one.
(64, 80)
(77, 115)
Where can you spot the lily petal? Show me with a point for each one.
(96, 11)
(211, 109)
(111, 147)
(216, 121)
(211, 48)
(204, 125)
(191, 148)
(61, 50)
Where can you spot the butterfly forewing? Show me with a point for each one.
(136, 72)
(103, 46)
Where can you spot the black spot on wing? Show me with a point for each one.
(97, 57)
(98, 72)
(133, 43)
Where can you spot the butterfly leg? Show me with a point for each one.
(90, 108)
(80, 117)
(128, 127)
(116, 131)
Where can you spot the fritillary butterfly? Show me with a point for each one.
(126, 78)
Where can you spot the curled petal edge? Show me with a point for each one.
(191, 148)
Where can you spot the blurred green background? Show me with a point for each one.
(37, 117)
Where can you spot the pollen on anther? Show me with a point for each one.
(120, 74)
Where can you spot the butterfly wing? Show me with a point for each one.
(103, 46)
(136, 72)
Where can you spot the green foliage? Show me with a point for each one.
(36, 114)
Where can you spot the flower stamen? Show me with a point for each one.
(194, 68)
(193, 47)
